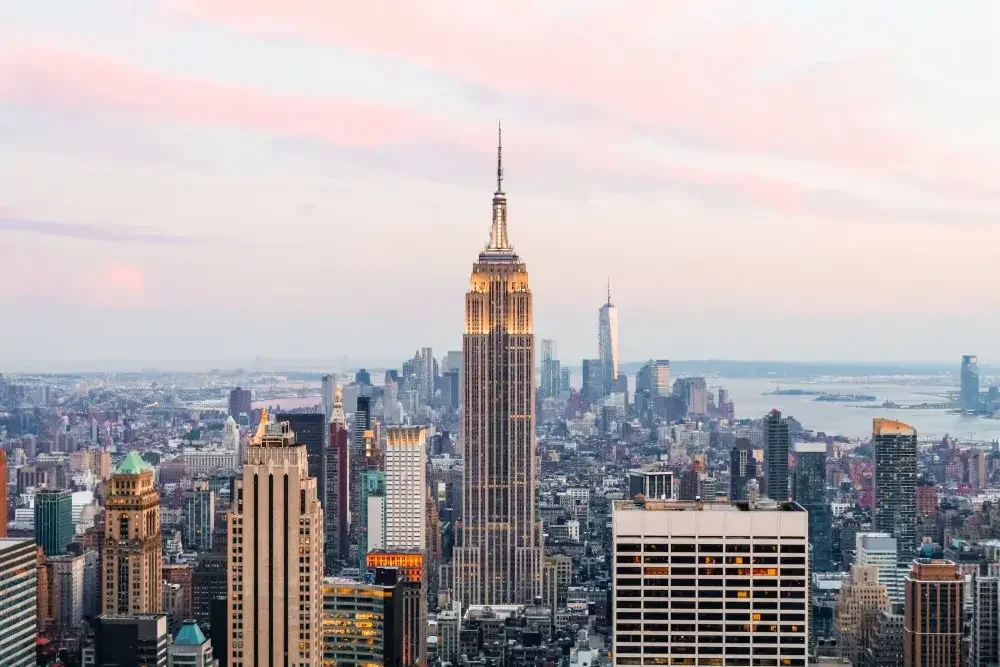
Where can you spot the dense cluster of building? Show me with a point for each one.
(466, 511)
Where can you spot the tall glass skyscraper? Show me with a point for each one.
(895, 510)
(809, 490)
(776, 440)
(607, 344)
(500, 560)
(53, 520)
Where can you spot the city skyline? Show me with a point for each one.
(259, 148)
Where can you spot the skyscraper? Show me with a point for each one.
(500, 560)
(591, 389)
(551, 379)
(809, 491)
(19, 593)
(362, 423)
(969, 394)
(311, 429)
(895, 509)
(406, 487)
(985, 649)
(862, 595)
(239, 402)
(427, 374)
(678, 563)
(880, 550)
(607, 343)
(231, 441)
(742, 468)
(363, 621)
(53, 520)
(372, 522)
(413, 591)
(133, 558)
(198, 517)
(328, 388)
(776, 441)
(275, 555)
(335, 510)
(932, 620)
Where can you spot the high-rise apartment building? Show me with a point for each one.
(861, 595)
(275, 554)
(3, 493)
(881, 551)
(607, 343)
(66, 591)
(363, 621)
(406, 487)
(412, 588)
(500, 560)
(198, 518)
(362, 424)
(969, 389)
(710, 583)
(240, 402)
(932, 620)
(140, 640)
(776, 441)
(133, 547)
(19, 596)
(809, 490)
(985, 651)
(311, 430)
(895, 472)
(53, 520)
(335, 510)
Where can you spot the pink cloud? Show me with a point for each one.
(36, 74)
(113, 285)
(631, 61)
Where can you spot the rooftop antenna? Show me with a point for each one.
(499, 157)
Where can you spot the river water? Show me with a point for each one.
(751, 401)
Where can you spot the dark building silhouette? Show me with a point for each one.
(592, 379)
(776, 440)
(742, 468)
(357, 461)
(337, 488)
(895, 509)
(363, 377)
(969, 396)
(809, 490)
(131, 641)
(239, 402)
(310, 430)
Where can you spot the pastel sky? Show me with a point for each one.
(220, 179)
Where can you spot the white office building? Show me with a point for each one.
(405, 487)
(710, 583)
(880, 550)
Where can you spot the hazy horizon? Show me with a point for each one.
(221, 179)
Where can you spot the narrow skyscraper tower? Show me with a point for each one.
(607, 343)
(275, 555)
(895, 510)
(500, 561)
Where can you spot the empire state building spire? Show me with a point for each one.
(498, 230)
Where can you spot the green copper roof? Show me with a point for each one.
(133, 465)
(190, 634)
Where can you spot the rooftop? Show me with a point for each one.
(133, 465)
(190, 634)
(765, 505)
(882, 426)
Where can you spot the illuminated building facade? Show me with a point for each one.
(500, 560)
(275, 550)
(413, 592)
(133, 547)
(362, 622)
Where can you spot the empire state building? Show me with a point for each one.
(500, 557)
